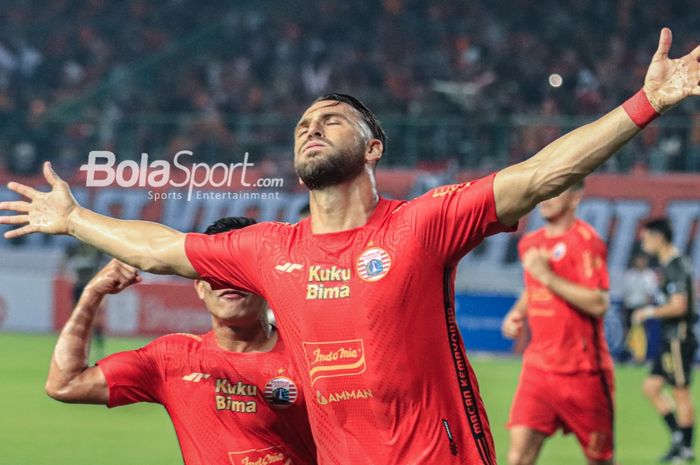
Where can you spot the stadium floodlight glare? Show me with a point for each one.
(555, 80)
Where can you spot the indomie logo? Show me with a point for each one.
(267, 456)
(339, 354)
(331, 359)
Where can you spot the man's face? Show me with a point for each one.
(640, 262)
(329, 144)
(554, 208)
(231, 305)
(651, 242)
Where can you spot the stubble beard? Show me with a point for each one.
(337, 167)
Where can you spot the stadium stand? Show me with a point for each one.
(454, 82)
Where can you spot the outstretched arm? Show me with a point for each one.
(148, 246)
(70, 379)
(519, 188)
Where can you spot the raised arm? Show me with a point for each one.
(70, 379)
(519, 188)
(148, 246)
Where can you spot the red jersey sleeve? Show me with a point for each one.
(451, 220)
(227, 259)
(593, 266)
(135, 375)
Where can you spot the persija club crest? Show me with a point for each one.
(558, 251)
(373, 264)
(280, 392)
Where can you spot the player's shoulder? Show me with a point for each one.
(532, 237)
(263, 227)
(271, 226)
(252, 232)
(680, 265)
(587, 233)
(266, 233)
(444, 192)
(276, 225)
(397, 206)
(173, 341)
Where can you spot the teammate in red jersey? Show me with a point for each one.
(567, 376)
(354, 287)
(232, 393)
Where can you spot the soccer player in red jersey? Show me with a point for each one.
(354, 286)
(567, 376)
(232, 394)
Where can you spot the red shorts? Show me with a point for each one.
(580, 403)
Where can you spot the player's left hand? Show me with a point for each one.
(669, 81)
(642, 314)
(536, 263)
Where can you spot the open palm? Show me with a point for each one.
(45, 212)
(668, 81)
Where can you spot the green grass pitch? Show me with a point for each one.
(35, 430)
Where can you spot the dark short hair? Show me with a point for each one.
(660, 225)
(367, 116)
(229, 223)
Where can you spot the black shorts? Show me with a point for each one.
(675, 361)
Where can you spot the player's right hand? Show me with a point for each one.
(512, 325)
(46, 212)
(113, 278)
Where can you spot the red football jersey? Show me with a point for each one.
(564, 339)
(368, 313)
(228, 408)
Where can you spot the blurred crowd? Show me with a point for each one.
(477, 83)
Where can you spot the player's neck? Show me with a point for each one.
(560, 225)
(344, 206)
(257, 337)
(667, 253)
